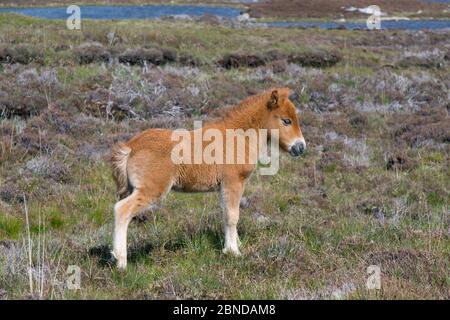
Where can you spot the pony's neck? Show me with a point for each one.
(248, 116)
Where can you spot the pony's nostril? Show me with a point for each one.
(301, 147)
(297, 149)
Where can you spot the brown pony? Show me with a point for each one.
(144, 170)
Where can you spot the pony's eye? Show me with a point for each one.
(286, 122)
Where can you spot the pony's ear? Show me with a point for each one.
(273, 101)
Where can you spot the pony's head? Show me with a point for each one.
(283, 116)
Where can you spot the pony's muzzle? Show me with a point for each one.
(297, 148)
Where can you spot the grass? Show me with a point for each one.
(372, 189)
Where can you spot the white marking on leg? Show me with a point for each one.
(231, 236)
(120, 236)
(231, 240)
(230, 218)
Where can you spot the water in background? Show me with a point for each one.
(157, 11)
(127, 12)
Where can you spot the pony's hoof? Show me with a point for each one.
(121, 265)
(234, 252)
(121, 262)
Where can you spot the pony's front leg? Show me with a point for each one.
(231, 196)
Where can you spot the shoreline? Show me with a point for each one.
(253, 22)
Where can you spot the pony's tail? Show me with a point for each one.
(118, 161)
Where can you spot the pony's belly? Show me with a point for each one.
(197, 178)
(195, 188)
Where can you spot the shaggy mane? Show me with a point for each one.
(250, 104)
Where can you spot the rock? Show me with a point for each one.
(243, 17)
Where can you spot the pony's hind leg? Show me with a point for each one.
(124, 211)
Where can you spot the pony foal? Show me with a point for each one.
(144, 169)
